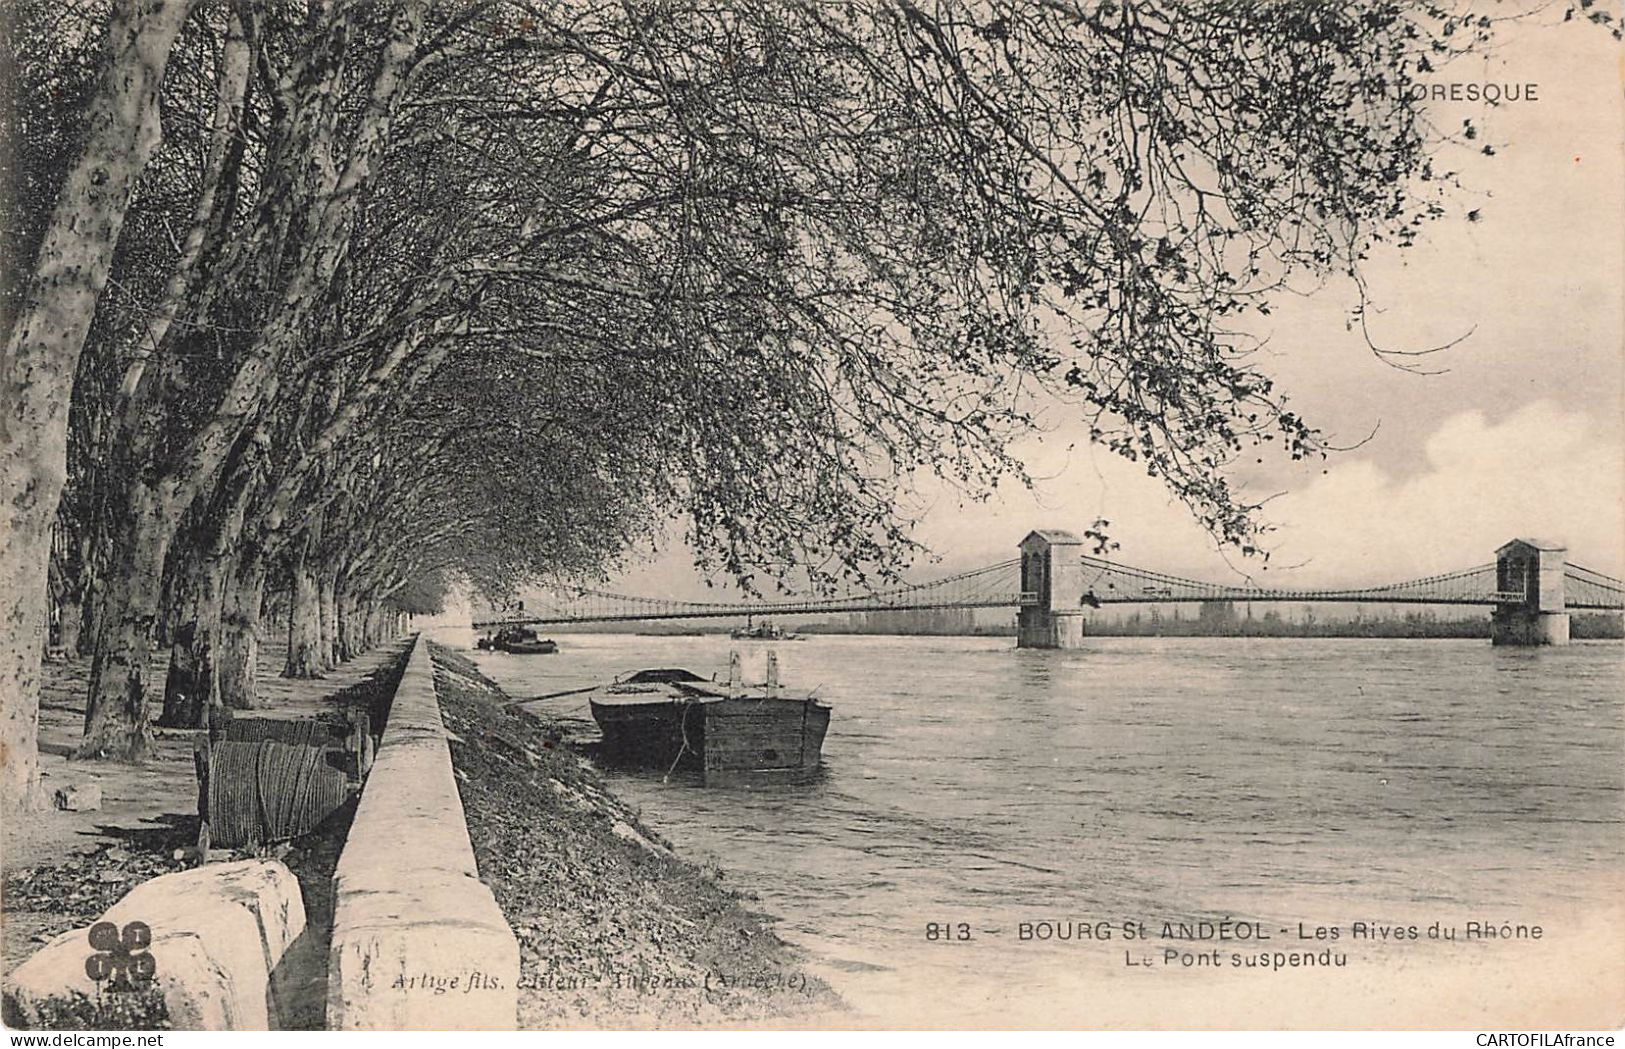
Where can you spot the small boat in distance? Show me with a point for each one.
(766, 630)
(518, 640)
(671, 718)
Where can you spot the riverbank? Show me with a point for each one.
(614, 929)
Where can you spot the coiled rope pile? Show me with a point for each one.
(265, 791)
(308, 732)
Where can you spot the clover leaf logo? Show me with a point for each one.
(121, 956)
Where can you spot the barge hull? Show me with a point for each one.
(650, 734)
(763, 741)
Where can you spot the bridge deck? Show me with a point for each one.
(997, 586)
(761, 611)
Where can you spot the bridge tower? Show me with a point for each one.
(1532, 568)
(1051, 613)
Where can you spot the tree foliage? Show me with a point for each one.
(487, 290)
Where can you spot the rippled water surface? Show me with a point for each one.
(1280, 780)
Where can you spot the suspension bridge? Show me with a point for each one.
(1053, 583)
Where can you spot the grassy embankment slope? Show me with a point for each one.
(614, 929)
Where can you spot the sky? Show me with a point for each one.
(1519, 435)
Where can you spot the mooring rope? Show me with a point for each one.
(683, 726)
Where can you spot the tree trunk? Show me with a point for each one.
(191, 670)
(341, 628)
(23, 558)
(327, 583)
(70, 619)
(118, 712)
(351, 643)
(88, 621)
(42, 352)
(305, 152)
(238, 670)
(191, 688)
(367, 624)
(172, 598)
(304, 616)
(193, 685)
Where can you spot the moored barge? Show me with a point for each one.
(671, 718)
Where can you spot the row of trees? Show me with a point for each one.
(320, 304)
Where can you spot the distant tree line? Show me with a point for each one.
(938, 621)
(1583, 626)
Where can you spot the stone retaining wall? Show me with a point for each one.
(418, 940)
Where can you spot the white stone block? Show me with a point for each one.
(266, 889)
(216, 933)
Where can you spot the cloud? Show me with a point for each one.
(1475, 482)
(1542, 470)
(1467, 486)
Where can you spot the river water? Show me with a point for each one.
(1144, 780)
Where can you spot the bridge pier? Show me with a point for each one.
(1529, 575)
(1519, 627)
(1036, 628)
(1050, 573)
